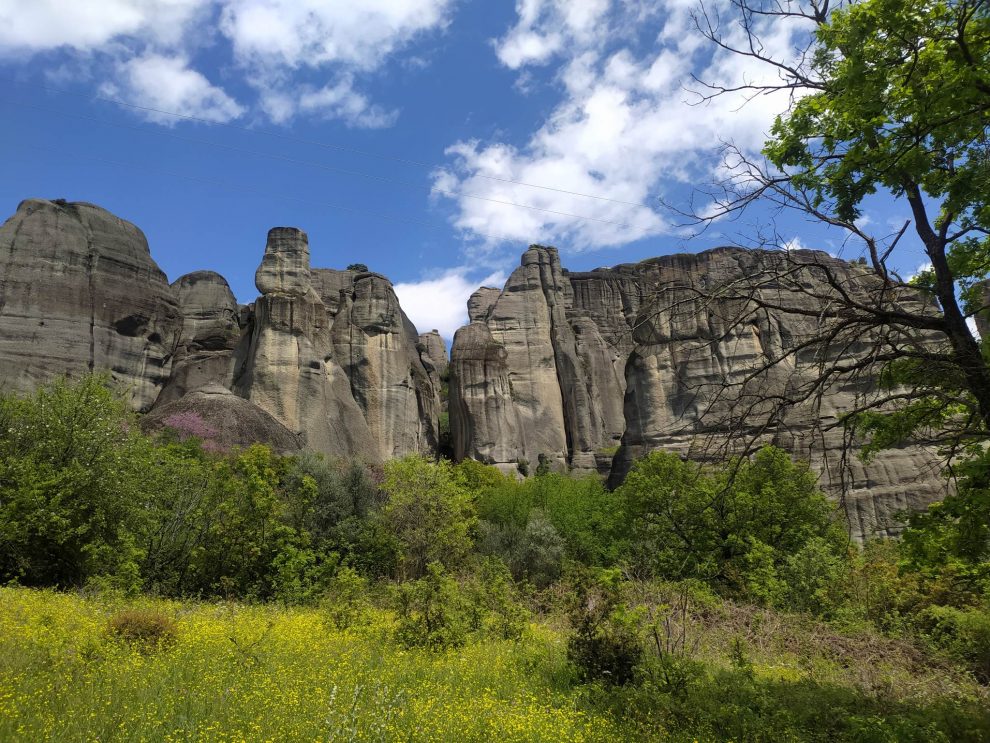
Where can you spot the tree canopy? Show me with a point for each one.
(888, 99)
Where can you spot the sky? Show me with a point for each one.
(432, 140)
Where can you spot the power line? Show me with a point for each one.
(312, 142)
(304, 163)
(259, 192)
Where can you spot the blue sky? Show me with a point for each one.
(389, 130)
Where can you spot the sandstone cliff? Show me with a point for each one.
(325, 359)
(80, 292)
(569, 366)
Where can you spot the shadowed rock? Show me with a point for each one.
(222, 420)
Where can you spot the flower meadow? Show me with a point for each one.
(264, 673)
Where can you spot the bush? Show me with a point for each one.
(534, 552)
(604, 643)
(965, 633)
(433, 612)
(735, 532)
(74, 471)
(145, 628)
(430, 514)
(346, 600)
(495, 602)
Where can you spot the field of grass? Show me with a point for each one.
(228, 672)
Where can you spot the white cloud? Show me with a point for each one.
(169, 84)
(313, 33)
(545, 26)
(278, 47)
(40, 25)
(341, 101)
(623, 130)
(441, 303)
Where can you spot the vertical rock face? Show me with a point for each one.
(211, 331)
(567, 365)
(324, 359)
(79, 292)
(376, 345)
(556, 380)
(699, 377)
(434, 351)
(289, 370)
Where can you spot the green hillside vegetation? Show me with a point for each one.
(162, 589)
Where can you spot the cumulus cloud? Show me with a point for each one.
(440, 302)
(338, 100)
(41, 25)
(626, 128)
(313, 33)
(169, 84)
(278, 46)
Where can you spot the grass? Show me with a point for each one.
(254, 673)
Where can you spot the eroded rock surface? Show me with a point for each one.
(289, 368)
(433, 351)
(328, 355)
(567, 366)
(80, 292)
(211, 331)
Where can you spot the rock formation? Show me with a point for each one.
(289, 370)
(222, 420)
(211, 331)
(377, 347)
(323, 358)
(567, 366)
(583, 371)
(80, 292)
(433, 351)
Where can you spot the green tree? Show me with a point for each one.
(888, 99)
(73, 484)
(430, 514)
(734, 531)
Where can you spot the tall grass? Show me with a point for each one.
(266, 673)
(229, 672)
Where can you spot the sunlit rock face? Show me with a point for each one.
(80, 292)
(578, 367)
(332, 356)
(323, 359)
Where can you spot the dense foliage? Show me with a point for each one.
(447, 556)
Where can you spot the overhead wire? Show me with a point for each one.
(307, 141)
(305, 163)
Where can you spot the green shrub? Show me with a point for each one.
(74, 474)
(433, 612)
(497, 609)
(965, 633)
(604, 643)
(431, 516)
(734, 528)
(534, 553)
(345, 602)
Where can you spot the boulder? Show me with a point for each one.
(222, 420)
